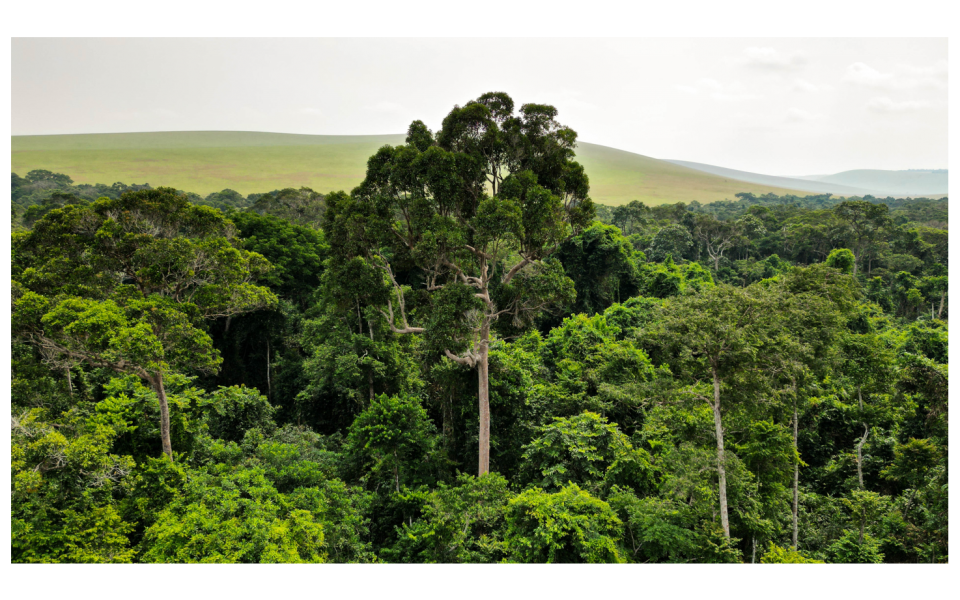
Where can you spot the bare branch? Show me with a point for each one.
(470, 360)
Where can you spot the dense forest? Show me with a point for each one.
(465, 359)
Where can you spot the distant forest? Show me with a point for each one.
(464, 359)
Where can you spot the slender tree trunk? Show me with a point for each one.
(269, 386)
(721, 469)
(943, 295)
(157, 383)
(226, 326)
(370, 370)
(396, 470)
(796, 472)
(866, 432)
(69, 382)
(448, 425)
(483, 372)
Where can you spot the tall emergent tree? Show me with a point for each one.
(474, 213)
(722, 336)
(125, 284)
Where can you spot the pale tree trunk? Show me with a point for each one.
(370, 370)
(69, 382)
(943, 295)
(866, 432)
(483, 372)
(721, 469)
(796, 471)
(157, 382)
(448, 425)
(396, 470)
(269, 386)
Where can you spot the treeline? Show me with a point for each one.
(307, 378)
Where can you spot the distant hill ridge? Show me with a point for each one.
(876, 182)
(911, 182)
(248, 162)
(813, 186)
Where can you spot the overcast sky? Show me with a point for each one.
(781, 106)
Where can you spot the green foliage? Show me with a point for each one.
(569, 526)
(841, 259)
(777, 555)
(234, 517)
(392, 443)
(296, 252)
(593, 368)
(671, 241)
(294, 351)
(587, 451)
(65, 482)
(656, 529)
(603, 267)
(461, 524)
(849, 549)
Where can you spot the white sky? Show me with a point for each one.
(782, 106)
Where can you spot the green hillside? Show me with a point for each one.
(617, 177)
(915, 182)
(810, 185)
(210, 161)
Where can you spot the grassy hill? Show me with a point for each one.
(210, 161)
(813, 186)
(917, 182)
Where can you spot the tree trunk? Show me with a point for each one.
(448, 425)
(269, 386)
(370, 370)
(943, 295)
(866, 432)
(721, 469)
(157, 383)
(69, 382)
(796, 473)
(483, 372)
(396, 470)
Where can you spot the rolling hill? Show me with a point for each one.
(859, 182)
(210, 161)
(915, 182)
(813, 186)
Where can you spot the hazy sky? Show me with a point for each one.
(782, 106)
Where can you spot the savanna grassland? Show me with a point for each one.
(251, 162)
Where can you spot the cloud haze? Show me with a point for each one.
(783, 106)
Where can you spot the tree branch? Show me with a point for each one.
(470, 360)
